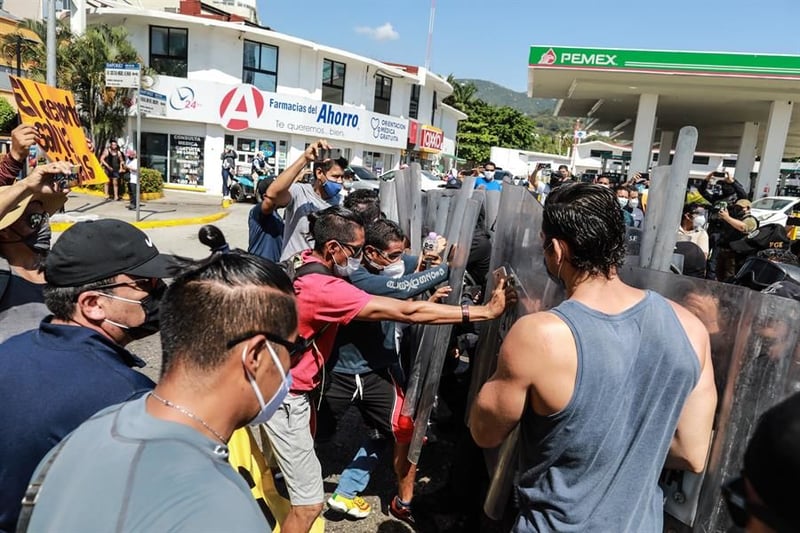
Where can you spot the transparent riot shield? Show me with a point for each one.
(388, 196)
(755, 353)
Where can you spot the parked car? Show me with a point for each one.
(364, 178)
(428, 180)
(774, 209)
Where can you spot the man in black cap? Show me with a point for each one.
(764, 498)
(104, 285)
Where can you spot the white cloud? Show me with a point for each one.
(381, 33)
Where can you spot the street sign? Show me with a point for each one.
(125, 75)
(152, 103)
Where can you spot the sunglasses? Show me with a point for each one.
(296, 349)
(390, 257)
(142, 284)
(355, 251)
(740, 509)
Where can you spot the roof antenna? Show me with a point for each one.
(430, 35)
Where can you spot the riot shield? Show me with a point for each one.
(388, 196)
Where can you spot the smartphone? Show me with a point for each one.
(644, 175)
(69, 180)
(718, 174)
(499, 275)
(325, 154)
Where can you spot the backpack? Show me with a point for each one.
(294, 267)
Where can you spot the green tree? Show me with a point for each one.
(8, 116)
(463, 93)
(488, 126)
(103, 110)
(33, 52)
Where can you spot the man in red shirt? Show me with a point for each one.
(324, 302)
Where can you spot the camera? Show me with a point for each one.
(718, 174)
(68, 180)
(323, 154)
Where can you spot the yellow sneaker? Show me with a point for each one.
(356, 507)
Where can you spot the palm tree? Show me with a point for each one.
(463, 93)
(29, 40)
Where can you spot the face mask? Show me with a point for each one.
(488, 175)
(641, 188)
(151, 324)
(698, 222)
(331, 189)
(555, 278)
(633, 203)
(268, 408)
(623, 202)
(394, 270)
(351, 266)
(348, 184)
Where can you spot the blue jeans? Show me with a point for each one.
(226, 174)
(355, 477)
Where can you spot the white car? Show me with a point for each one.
(428, 181)
(774, 209)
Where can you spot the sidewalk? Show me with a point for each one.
(176, 208)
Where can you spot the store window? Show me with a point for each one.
(186, 159)
(154, 152)
(378, 162)
(383, 94)
(333, 75)
(168, 50)
(413, 104)
(260, 65)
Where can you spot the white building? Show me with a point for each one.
(256, 89)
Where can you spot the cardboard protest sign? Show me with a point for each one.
(52, 111)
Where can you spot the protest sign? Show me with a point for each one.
(52, 111)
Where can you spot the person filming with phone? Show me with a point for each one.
(302, 199)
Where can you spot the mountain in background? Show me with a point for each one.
(495, 94)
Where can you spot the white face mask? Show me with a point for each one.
(268, 408)
(623, 202)
(350, 266)
(394, 270)
(488, 175)
(633, 202)
(698, 222)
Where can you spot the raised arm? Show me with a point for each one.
(278, 191)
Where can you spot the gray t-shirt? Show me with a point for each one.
(21, 306)
(295, 233)
(125, 470)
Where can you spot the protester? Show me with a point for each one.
(764, 498)
(301, 199)
(54, 378)
(633, 207)
(622, 193)
(693, 226)
(228, 159)
(326, 301)
(159, 463)
(265, 226)
(132, 166)
(25, 208)
(599, 419)
(486, 180)
(22, 138)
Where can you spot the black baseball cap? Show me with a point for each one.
(98, 249)
(772, 461)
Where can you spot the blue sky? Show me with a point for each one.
(490, 39)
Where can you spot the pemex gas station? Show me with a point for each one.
(740, 103)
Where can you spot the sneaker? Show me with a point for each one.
(356, 507)
(401, 512)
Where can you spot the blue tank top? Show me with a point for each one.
(594, 466)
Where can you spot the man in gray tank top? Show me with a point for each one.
(607, 388)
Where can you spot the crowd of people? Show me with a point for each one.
(313, 319)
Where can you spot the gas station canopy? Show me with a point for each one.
(715, 92)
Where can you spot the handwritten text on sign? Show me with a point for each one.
(52, 111)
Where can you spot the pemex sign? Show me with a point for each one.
(735, 65)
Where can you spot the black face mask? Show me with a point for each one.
(39, 241)
(150, 304)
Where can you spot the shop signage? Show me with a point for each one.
(737, 65)
(243, 107)
(55, 115)
(431, 139)
(413, 132)
(152, 103)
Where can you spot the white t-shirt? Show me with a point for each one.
(133, 167)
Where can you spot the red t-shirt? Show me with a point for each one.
(322, 299)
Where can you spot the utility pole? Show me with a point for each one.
(430, 35)
(51, 43)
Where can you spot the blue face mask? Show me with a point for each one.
(268, 408)
(331, 189)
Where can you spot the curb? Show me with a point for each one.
(145, 196)
(151, 224)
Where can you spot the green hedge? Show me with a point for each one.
(151, 180)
